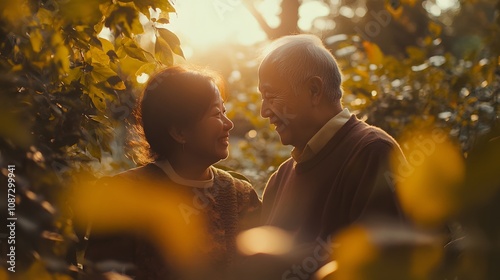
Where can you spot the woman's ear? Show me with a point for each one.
(178, 134)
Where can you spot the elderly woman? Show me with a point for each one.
(185, 129)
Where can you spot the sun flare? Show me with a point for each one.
(203, 24)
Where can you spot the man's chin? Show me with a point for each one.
(284, 140)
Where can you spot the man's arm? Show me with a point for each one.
(373, 193)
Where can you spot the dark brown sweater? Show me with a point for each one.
(344, 182)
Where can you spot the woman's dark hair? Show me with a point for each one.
(173, 97)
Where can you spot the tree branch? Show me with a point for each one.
(260, 19)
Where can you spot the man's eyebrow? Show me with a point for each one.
(265, 88)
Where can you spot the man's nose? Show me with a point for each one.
(265, 110)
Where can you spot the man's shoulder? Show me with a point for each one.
(369, 134)
(286, 166)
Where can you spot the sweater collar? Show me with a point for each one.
(176, 178)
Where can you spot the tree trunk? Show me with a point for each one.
(289, 18)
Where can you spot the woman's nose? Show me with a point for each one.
(228, 124)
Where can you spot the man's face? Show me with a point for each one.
(286, 107)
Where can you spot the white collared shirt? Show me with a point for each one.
(319, 140)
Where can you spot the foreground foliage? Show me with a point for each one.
(68, 69)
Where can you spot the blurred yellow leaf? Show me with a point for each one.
(150, 208)
(61, 55)
(428, 186)
(395, 10)
(425, 259)
(417, 55)
(45, 16)
(435, 29)
(373, 52)
(38, 271)
(355, 250)
(36, 40)
(14, 11)
(81, 11)
(409, 2)
(13, 129)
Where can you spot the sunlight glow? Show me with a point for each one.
(203, 24)
(326, 270)
(436, 8)
(142, 78)
(447, 4)
(270, 11)
(265, 240)
(310, 11)
(347, 12)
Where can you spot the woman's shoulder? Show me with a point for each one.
(244, 189)
(241, 182)
(149, 171)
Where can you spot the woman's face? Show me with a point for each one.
(208, 139)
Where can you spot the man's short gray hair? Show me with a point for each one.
(298, 57)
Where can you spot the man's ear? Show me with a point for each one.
(178, 134)
(315, 85)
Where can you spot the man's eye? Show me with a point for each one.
(267, 96)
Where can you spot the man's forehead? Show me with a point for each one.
(268, 72)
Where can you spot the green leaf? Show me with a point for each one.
(130, 48)
(124, 19)
(417, 55)
(86, 12)
(143, 8)
(74, 74)
(99, 56)
(98, 98)
(106, 45)
(45, 16)
(147, 68)
(101, 72)
(172, 40)
(163, 21)
(116, 83)
(163, 52)
(164, 6)
(95, 151)
(102, 120)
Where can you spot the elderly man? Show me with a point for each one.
(337, 172)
